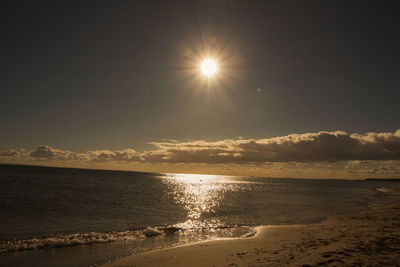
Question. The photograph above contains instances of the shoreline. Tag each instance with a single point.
(367, 238)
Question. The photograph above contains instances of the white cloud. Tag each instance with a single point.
(126, 155)
(381, 168)
(13, 153)
(307, 147)
(49, 153)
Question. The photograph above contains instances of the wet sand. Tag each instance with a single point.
(370, 238)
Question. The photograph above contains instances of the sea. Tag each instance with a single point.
(79, 217)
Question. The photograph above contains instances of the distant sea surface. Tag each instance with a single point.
(78, 217)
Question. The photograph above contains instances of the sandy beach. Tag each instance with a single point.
(370, 238)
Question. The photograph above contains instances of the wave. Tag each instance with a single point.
(395, 190)
(384, 189)
(68, 240)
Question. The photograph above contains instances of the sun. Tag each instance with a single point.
(209, 67)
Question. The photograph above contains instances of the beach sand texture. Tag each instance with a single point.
(370, 238)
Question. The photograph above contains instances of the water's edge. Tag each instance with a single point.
(386, 199)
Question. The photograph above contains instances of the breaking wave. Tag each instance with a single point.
(384, 189)
(76, 239)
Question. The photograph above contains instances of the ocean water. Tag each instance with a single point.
(77, 217)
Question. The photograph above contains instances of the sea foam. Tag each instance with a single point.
(60, 240)
(67, 240)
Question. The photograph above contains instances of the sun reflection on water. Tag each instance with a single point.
(198, 195)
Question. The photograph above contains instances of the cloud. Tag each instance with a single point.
(9, 153)
(383, 168)
(14, 153)
(307, 147)
(126, 155)
(49, 153)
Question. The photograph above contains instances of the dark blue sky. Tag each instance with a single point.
(83, 75)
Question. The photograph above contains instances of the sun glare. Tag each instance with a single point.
(208, 67)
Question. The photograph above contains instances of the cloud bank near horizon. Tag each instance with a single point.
(308, 147)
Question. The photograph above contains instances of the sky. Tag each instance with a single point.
(303, 89)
